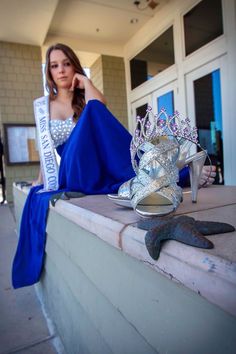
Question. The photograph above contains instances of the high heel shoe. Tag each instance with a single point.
(154, 191)
(123, 197)
(147, 166)
(149, 193)
(187, 137)
(195, 163)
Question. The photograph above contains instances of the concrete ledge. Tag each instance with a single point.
(100, 280)
(195, 268)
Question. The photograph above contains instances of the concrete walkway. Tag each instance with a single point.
(23, 328)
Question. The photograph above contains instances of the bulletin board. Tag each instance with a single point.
(20, 144)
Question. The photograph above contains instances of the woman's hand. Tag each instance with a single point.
(208, 176)
(36, 182)
(91, 92)
(79, 81)
(39, 180)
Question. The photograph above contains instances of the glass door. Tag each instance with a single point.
(139, 107)
(165, 98)
(205, 108)
(162, 98)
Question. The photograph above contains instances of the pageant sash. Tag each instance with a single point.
(49, 166)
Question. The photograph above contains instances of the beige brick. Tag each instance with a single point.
(7, 68)
(2, 93)
(3, 111)
(20, 76)
(13, 101)
(12, 93)
(15, 62)
(18, 93)
(22, 109)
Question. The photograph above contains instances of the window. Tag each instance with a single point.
(202, 24)
(141, 110)
(155, 58)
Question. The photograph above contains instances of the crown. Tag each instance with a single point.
(162, 125)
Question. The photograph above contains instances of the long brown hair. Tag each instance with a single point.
(78, 100)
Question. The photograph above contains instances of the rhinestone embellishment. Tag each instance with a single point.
(162, 125)
(60, 130)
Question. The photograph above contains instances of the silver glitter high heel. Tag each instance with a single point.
(195, 163)
(123, 197)
(154, 191)
(146, 188)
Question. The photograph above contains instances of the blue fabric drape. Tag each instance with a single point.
(94, 160)
(28, 260)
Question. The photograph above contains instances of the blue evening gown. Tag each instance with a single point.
(94, 160)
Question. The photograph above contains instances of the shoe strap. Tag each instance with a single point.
(163, 153)
(143, 185)
(148, 152)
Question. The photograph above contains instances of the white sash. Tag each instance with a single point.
(49, 166)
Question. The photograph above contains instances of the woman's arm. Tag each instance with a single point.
(91, 92)
(39, 180)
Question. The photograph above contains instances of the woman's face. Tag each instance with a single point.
(61, 69)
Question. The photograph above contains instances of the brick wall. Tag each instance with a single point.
(108, 75)
(96, 74)
(20, 84)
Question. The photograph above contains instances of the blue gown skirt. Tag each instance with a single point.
(94, 160)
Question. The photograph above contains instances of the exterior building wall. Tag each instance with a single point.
(96, 74)
(20, 84)
(114, 87)
(108, 75)
(217, 54)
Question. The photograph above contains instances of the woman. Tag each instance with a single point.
(73, 98)
(93, 160)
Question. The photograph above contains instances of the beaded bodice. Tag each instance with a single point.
(60, 130)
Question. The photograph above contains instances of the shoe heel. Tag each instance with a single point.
(195, 170)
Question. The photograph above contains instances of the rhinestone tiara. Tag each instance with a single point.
(161, 125)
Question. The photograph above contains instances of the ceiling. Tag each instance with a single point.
(91, 27)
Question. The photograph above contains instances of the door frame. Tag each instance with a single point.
(219, 63)
(144, 100)
(151, 100)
